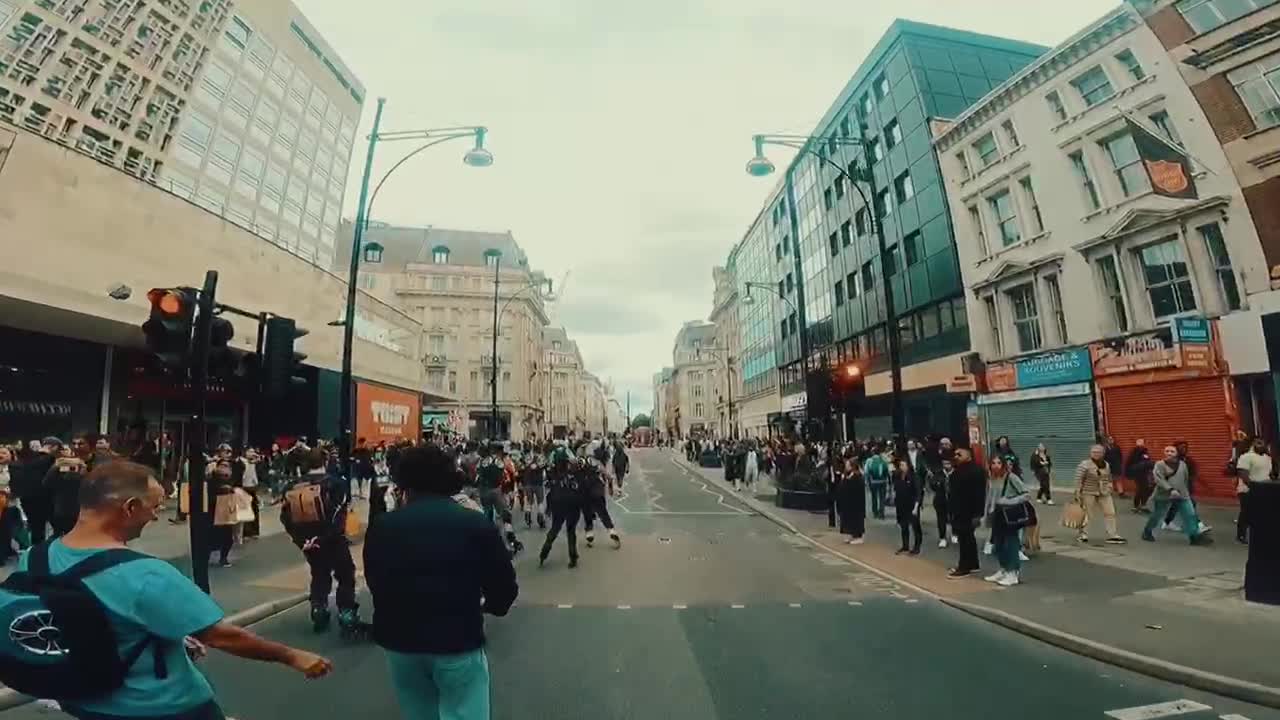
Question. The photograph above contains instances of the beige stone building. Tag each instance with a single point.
(727, 352)
(241, 108)
(444, 279)
(694, 380)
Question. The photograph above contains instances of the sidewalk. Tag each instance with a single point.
(1164, 601)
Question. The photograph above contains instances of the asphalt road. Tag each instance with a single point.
(709, 612)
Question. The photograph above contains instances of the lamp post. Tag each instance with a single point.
(494, 255)
(760, 166)
(477, 156)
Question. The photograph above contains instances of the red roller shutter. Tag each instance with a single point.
(1196, 411)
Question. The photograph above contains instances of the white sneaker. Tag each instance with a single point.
(954, 539)
(997, 577)
(1050, 502)
(1023, 556)
(857, 541)
(1039, 501)
(1009, 580)
(1205, 528)
(988, 548)
(942, 543)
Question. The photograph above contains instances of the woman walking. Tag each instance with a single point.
(1012, 512)
(851, 499)
(1093, 490)
(908, 494)
(1042, 467)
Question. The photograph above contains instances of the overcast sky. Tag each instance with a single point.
(620, 131)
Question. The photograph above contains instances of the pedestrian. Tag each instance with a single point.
(434, 569)
(10, 513)
(876, 472)
(1094, 486)
(62, 483)
(314, 515)
(908, 496)
(1173, 492)
(1115, 462)
(939, 483)
(147, 604)
(564, 501)
(1011, 513)
(533, 482)
(362, 467)
(491, 474)
(1042, 467)
(222, 489)
(1170, 520)
(851, 498)
(751, 466)
(621, 462)
(967, 502)
(28, 483)
(1137, 467)
(1254, 466)
(1004, 451)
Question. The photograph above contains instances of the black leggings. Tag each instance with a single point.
(942, 512)
(909, 522)
(597, 507)
(223, 538)
(565, 516)
(1046, 492)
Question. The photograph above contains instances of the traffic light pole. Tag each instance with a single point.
(201, 522)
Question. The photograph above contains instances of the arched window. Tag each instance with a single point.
(440, 255)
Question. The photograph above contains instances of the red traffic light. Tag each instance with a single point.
(852, 371)
(168, 302)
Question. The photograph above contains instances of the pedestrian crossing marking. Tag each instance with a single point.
(1158, 710)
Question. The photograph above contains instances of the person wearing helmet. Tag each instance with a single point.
(490, 475)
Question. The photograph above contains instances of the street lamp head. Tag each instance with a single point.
(373, 252)
(759, 166)
(478, 156)
(748, 299)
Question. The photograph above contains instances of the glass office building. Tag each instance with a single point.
(826, 251)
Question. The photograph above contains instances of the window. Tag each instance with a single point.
(844, 126)
(1006, 218)
(252, 166)
(864, 106)
(777, 251)
(1205, 15)
(1131, 64)
(1093, 86)
(784, 329)
(868, 277)
(1217, 248)
(828, 199)
(962, 158)
(238, 32)
(792, 322)
(846, 233)
(435, 344)
(1029, 197)
(839, 187)
(1011, 133)
(790, 283)
(975, 219)
(1056, 107)
(877, 150)
(903, 188)
(881, 87)
(1167, 278)
(453, 381)
(884, 204)
(834, 241)
(272, 188)
(1055, 304)
(851, 284)
(439, 282)
(890, 261)
(1085, 179)
(911, 248)
(697, 410)
(440, 255)
(782, 288)
(1165, 127)
(993, 324)
(988, 151)
(839, 293)
(215, 81)
(1127, 165)
(224, 153)
(860, 221)
(786, 244)
(1258, 85)
(490, 260)
(1026, 317)
(892, 134)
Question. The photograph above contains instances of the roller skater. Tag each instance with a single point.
(533, 494)
(564, 501)
(490, 476)
(591, 471)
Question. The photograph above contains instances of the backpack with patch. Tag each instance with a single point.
(305, 504)
(877, 469)
(58, 642)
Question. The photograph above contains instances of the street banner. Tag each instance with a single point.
(1168, 168)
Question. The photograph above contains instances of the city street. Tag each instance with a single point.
(711, 611)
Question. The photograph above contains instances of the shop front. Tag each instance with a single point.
(1171, 386)
(385, 414)
(1042, 399)
(49, 386)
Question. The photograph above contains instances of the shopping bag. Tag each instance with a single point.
(353, 524)
(224, 510)
(1031, 539)
(244, 506)
(1074, 516)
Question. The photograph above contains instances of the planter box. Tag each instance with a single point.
(800, 500)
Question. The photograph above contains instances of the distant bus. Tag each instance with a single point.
(642, 437)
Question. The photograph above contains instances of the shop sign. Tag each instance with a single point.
(33, 407)
(795, 401)
(1039, 393)
(967, 383)
(1001, 377)
(1192, 331)
(1056, 368)
(384, 414)
(1147, 351)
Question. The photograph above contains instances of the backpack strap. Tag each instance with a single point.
(98, 562)
(38, 560)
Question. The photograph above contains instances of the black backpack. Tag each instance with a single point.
(57, 640)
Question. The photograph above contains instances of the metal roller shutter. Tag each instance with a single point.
(1161, 413)
(1064, 424)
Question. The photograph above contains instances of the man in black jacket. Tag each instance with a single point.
(28, 484)
(968, 503)
(319, 531)
(434, 568)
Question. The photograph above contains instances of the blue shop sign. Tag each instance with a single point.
(1192, 330)
(1057, 368)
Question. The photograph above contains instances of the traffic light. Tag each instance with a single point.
(222, 361)
(280, 362)
(168, 330)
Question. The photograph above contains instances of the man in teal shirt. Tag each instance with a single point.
(148, 597)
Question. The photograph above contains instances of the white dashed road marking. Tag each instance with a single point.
(624, 607)
(736, 606)
(1159, 710)
(795, 605)
(564, 607)
(1233, 716)
(911, 601)
(679, 607)
(854, 603)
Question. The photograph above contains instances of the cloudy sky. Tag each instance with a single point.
(620, 130)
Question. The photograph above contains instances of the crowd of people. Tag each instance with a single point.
(968, 496)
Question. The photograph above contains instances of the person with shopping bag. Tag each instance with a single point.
(1011, 512)
(225, 511)
(1094, 487)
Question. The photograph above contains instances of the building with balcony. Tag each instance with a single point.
(1088, 289)
(240, 108)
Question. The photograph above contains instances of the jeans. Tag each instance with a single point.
(1008, 545)
(441, 687)
(878, 491)
(1182, 506)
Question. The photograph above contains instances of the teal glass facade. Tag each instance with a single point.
(915, 73)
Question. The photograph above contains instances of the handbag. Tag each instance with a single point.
(224, 510)
(1017, 516)
(352, 525)
(1074, 515)
(244, 506)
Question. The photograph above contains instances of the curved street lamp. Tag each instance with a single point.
(372, 252)
(495, 255)
(760, 166)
